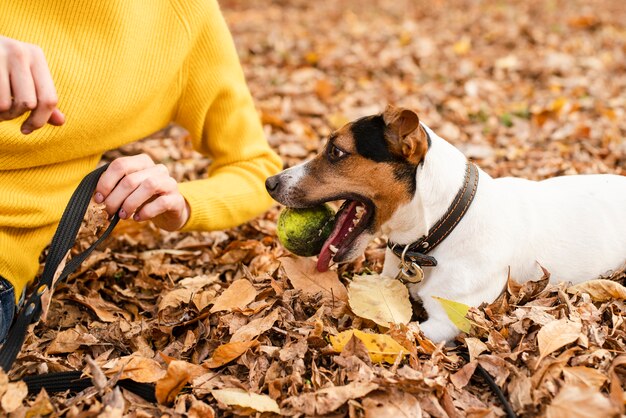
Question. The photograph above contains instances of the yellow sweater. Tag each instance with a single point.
(123, 70)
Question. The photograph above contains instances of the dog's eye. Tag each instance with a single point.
(335, 153)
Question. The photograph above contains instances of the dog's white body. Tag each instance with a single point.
(573, 226)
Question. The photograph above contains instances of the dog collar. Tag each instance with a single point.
(414, 256)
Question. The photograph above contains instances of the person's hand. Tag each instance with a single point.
(135, 186)
(26, 86)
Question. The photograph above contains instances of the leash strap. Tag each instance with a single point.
(62, 242)
(417, 251)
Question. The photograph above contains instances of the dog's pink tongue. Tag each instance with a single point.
(342, 223)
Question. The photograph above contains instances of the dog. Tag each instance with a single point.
(400, 178)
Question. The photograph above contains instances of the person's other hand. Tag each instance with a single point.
(26, 86)
(135, 186)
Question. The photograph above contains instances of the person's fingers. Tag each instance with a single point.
(57, 118)
(46, 93)
(22, 85)
(157, 183)
(5, 84)
(172, 203)
(119, 168)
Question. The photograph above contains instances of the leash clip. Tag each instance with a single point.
(410, 271)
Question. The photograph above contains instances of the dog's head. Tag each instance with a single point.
(371, 164)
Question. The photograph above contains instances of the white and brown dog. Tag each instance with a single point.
(401, 179)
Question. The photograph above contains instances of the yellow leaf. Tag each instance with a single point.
(557, 334)
(226, 353)
(456, 311)
(239, 397)
(380, 347)
(462, 46)
(380, 299)
(600, 290)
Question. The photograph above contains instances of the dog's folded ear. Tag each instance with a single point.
(403, 133)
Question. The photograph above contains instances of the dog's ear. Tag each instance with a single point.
(404, 134)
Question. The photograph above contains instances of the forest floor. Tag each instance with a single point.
(532, 89)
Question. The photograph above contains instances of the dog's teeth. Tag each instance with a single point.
(351, 229)
(333, 249)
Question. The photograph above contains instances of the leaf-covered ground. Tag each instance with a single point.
(226, 327)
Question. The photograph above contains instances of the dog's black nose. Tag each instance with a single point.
(272, 183)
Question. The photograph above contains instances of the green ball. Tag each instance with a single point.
(304, 231)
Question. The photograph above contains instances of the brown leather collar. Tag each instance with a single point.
(417, 250)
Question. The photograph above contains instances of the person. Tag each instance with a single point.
(80, 78)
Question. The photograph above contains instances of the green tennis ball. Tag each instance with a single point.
(304, 231)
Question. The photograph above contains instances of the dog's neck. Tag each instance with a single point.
(438, 180)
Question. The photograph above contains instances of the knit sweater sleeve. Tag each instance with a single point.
(217, 109)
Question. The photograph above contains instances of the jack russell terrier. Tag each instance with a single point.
(453, 230)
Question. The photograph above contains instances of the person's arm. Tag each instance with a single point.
(217, 109)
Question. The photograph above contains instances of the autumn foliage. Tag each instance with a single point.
(227, 323)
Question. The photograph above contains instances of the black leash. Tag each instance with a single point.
(508, 409)
(63, 241)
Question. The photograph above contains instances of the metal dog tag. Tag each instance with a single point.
(410, 272)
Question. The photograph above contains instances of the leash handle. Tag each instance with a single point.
(62, 241)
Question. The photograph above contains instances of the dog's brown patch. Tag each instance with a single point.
(382, 154)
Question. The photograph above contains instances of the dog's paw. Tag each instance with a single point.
(438, 331)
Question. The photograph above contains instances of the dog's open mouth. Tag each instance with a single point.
(351, 220)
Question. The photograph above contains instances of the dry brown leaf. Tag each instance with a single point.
(475, 347)
(557, 334)
(175, 298)
(461, 378)
(600, 290)
(237, 296)
(255, 327)
(41, 407)
(239, 397)
(178, 374)
(200, 409)
(392, 404)
(13, 396)
(226, 353)
(303, 275)
(203, 299)
(381, 299)
(137, 368)
(581, 375)
(70, 340)
(329, 399)
(575, 401)
(106, 311)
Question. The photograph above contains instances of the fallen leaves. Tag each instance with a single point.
(380, 347)
(14, 394)
(457, 312)
(303, 275)
(178, 374)
(237, 296)
(260, 403)
(529, 89)
(574, 401)
(381, 299)
(600, 290)
(226, 353)
(557, 334)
